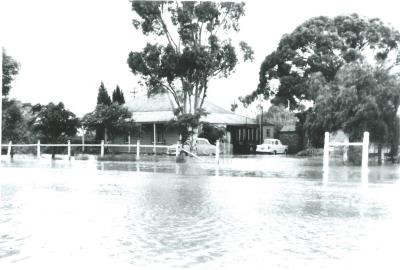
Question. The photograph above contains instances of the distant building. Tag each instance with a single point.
(153, 113)
(268, 130)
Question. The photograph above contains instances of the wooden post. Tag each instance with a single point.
(129, 143)
(102, 148)
(137, 149)
(83, 140)
(154, 138)
(9, 149)
(38, 149)
(365, 150)
(326, 152)
(177, 149)
(217, 152)
(69, 149)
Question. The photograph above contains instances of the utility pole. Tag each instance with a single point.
(1, 98)
(261, 119)
(134, 92)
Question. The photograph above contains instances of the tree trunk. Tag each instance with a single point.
(194, 136)
(53, 152)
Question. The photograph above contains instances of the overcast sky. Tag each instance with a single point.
(66, 48)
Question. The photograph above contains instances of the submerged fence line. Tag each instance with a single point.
(178, 148)
(364, 155)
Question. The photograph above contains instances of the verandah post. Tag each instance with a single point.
(129, 143)
(154, 138)
(102, 148)
(177, 149)
(137, 149)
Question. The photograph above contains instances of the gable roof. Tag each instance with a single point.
(160, 108)
(288, 128)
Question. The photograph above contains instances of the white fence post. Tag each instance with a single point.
(326, 152)
(69, 149)
(217, 152)
(129, 143)
(38, 149)
(102, 148)
(83, 140)
(9, 149)
(177, 149)
(137, 149)
(365, 151)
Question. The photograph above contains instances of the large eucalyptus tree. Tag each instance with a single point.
(191, 47)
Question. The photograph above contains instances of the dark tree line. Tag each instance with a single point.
(324, 61)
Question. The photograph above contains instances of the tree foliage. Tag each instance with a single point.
(186, 125)
(118, 96)
(16, 117)
(279, 116)
(114, 118)
(211, 133)
(102, 96)
(193, 51)
(321, 45)
(360, 98)
(53, 123)
(10, 69)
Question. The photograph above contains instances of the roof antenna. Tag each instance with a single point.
(134, 92)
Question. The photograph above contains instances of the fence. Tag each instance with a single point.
(364, 156)
(168, 148)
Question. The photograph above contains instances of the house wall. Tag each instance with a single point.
(244, 138)
(268, 132)
(165, 136)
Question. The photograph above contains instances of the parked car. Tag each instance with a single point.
(171, 150)
(202, 147)
(272, 146)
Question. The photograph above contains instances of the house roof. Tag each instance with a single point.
(160, 108)
(288, 128)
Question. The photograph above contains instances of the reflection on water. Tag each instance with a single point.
(270, 212)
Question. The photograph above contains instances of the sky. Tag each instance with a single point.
(66, 48)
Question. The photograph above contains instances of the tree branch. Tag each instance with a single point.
(167, 33)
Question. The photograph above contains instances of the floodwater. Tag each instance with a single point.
(249, 212)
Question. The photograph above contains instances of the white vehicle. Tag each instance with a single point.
(272, 146)
(201, 147)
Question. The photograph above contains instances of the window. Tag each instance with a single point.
(268, 132)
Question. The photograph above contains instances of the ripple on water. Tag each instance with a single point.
(276, 216)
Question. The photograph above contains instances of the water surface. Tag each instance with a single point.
(251, 211)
